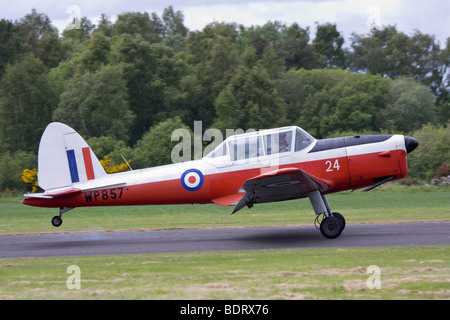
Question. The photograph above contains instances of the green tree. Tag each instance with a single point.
(433, 150)
(33, 27)
(214, 57)
(174, 22)
(398, 61)
(324, 101)
(82, 32)
(173, 29)
(26, 104)
(110, 147)
(96, 104)
(410, 105)
(328, 44)
(11, 45)
(66, 70)
(370, 51)
(266, 41)
(139, 62)
(12, 164)
(184, 99)
(393, 54)
(154, 75)
(443, 96)
(105, 25)
(37, 31)
(155, 147)
(250, 100)
(96, 54)
(296, 49)
(425, 60)
(270, 35)
(51, 50)
(137, 23)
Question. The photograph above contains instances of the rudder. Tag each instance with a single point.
(65, 159)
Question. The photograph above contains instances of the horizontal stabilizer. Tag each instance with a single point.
(52, 195)
(38, 196)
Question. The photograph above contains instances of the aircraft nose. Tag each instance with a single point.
(410, 144)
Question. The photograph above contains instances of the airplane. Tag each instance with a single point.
(245, 169)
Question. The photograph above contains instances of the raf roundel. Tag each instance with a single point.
(192, 179)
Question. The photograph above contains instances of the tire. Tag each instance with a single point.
(341, 218)
(56, 221)
(331, 227)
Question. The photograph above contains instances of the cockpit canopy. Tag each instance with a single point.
(262, 143)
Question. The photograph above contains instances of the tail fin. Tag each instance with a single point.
(65, 159)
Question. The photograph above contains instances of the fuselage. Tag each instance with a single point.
(345, 163)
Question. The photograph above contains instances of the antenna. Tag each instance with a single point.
(126, 162)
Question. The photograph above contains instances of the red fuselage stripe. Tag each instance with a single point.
(88, 163)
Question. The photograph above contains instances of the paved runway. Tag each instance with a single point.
(139, 242)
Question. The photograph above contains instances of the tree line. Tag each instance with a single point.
(125, 86)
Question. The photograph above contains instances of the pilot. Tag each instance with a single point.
(283, 142)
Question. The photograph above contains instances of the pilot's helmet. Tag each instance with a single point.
(283, 139)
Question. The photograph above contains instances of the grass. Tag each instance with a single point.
(406, 272)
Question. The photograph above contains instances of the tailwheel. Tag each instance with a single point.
(331, 227)
(57, 221)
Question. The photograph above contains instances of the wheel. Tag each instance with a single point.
(341, 218)
(56, 221)
(331, 227)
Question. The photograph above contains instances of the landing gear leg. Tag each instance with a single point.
(57, 220)
(332, 223)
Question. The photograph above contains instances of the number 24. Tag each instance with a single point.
(332, 166)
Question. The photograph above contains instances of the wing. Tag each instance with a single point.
(279, 185)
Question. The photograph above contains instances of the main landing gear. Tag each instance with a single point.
(330, 224)
(57, 220)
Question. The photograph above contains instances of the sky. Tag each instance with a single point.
(430, 17)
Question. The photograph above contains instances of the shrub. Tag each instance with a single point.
(111, 167)
(443, 170)
(433, 150)
(29, 176)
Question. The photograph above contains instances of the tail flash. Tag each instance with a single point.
(65, 159)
